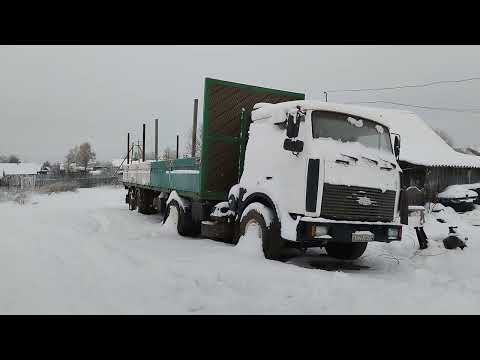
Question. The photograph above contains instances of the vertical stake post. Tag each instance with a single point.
(156, 139)
(128, 148)
(177, 146)
(194, 130)
(143, 149)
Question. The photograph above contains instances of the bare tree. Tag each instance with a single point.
(71, 158)
(85, 154)
(13, 159)
(446, 137)
(169, 154)
(187, 151)
(55, 168)
(46, 165)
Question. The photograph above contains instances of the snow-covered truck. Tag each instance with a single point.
(303, 173)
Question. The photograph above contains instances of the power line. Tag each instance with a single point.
(408, 85)
(473, 111)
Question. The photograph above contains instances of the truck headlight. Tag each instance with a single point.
(318, 231)
(394, 233)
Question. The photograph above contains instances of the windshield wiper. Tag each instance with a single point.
(374, 161)
(351, 157)
(391, 163)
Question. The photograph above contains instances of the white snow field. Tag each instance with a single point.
(86, 253)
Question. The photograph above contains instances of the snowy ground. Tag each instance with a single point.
(86, 253)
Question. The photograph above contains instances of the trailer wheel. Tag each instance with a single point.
(132, 203)
(185, 226)
(348, 251)
(272, 243)
(145, 201)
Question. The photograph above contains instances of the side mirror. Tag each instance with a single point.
(295, 146)
(396, 146)
(292, 127)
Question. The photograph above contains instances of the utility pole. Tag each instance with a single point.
(326, 96)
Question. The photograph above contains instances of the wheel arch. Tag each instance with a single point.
(260, 198)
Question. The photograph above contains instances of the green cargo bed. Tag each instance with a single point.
(181, 175)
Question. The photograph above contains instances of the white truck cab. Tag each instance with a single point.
(329, 171)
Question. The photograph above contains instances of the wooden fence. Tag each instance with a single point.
(85, 181)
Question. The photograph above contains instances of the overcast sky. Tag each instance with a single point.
(54, 97)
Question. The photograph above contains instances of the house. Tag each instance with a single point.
(22, 175)
(77, 168)
(427, 161)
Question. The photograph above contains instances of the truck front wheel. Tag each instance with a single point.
(348, 251)
(257, 215)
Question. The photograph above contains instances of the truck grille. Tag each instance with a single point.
(341, 202)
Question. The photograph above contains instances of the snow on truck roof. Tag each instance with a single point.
(420, 144)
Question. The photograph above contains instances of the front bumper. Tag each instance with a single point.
(341, 232)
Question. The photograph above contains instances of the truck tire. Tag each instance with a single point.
(185, 226)
(346, 251)
(272, 243)
(132, 202)
(145, 201)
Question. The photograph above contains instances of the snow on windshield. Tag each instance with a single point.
(379, 129)
(346, 128)
(355, 122)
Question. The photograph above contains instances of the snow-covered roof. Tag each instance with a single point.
(19, 169)
(420, 144)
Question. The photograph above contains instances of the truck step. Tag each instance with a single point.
(217, 230)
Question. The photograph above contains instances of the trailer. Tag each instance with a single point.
(260, 165)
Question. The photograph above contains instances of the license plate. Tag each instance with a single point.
(362, 237)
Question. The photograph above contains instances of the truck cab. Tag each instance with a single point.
(328, 170)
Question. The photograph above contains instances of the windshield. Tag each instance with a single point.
(349, 128)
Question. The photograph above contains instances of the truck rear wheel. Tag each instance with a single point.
(346, 251)
(145, 201)
(132, 202)
(185, 226)
(272, 243)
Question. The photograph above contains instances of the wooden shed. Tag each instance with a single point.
(22, 175)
